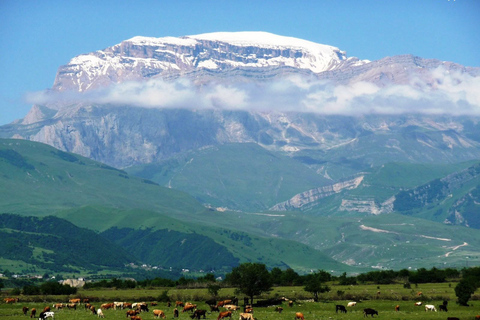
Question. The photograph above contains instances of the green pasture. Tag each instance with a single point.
(382, 298)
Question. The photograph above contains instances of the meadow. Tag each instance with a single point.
(382, 298)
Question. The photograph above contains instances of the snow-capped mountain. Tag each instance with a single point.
(143, 58)
(401, 108)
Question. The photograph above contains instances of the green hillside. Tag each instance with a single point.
(240, 176)
(36, 179)
(53, 244)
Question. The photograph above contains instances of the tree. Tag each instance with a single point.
(464, 290)
(213, 290)
(314, 283)
(251, 279)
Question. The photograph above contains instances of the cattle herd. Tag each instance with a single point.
(225, 309)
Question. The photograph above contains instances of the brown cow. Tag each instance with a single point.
(58, 306)
(131, 313)
(72, 306)
(198, 313)
(74, 300)
(46, 309)
(278, 309)
(107, 306)
(159, 314)
(224, 314)
(33, 313)
(94, 311)
(10, 300)
(179, 304)
(397, 308)
(135, 318)
(25, 310)
(153, 304)
(175, 313)
(189, 307)
(299, 315)
(86, 300)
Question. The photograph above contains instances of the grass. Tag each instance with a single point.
(366, 295)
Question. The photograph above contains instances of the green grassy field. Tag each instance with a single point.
(382, 298)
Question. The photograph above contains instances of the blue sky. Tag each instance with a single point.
(39, 36)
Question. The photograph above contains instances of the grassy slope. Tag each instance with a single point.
(238, 176)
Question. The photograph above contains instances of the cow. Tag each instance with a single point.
(351, 304)
(74, 301)
(397, 308)
(369, 311)
(86, 300)
(224, 314)
(135, 318)
(33, 313)
(214, 308)
(189, 307)
(100, 313)
(290, 303)
(299, 315)
(93, 309)
(142, 307)
(430, 307)
(127, 305)
(278, 309)
(131, 313)
(159, 314)
(198, 313)
(10, 300)
(169, 304)
(341, 308)
(230, 307)
(106, 306)
(175, 313)
(246, 316)
(87, 306)
(117, 304)
(46, 309)
(179, 304)
(418, 303)
(45, 315)
(58, 306)
(442, 307)
(72, 306)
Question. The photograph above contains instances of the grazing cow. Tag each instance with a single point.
(179, 304)
(224, 314)
(419, 293)
(106, 306)
(246, 316)
(46, 309)
(93, 309)
(74, 300)
(10, 300)
(430, 307)
(214, 308)
(369, 311)
(351, 304)
(86, 300)
(418, 303)
(45, 315)
(299, 315)
(189, 307)
(100, 313)
(198, 313)
(442, 307)
(175, 313)
(278, 309)
(127, 305)
(72, 306)
(159, 314)
(454, 318)
(135, 318)
(131, 313)
(341, 308)
(58, 306)
(142, 307)
(153, 304)
(87, 306)
(25, 310)
(397, 308)
(230, 307)
(290, 303)
(33, 313)
(119, 305)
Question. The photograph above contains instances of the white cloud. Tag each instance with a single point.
(446, 92)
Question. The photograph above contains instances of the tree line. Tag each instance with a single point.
(253, 279)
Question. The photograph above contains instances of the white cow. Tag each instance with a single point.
(351, 304)
(45, 315)
(100, 313)
(430, 307)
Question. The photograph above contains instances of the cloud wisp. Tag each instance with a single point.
(444, 93)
